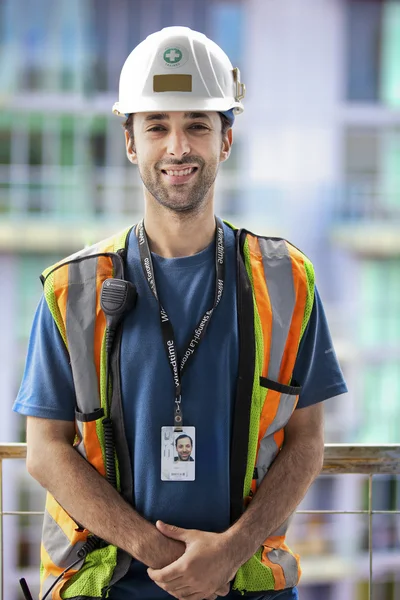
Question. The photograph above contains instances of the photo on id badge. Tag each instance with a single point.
(178, 454)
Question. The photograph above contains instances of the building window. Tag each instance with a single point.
(379, 335)
(373, 51)
(371, 173)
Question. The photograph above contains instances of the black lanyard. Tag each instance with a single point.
(166, 326)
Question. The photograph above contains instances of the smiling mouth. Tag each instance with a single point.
(179, 172)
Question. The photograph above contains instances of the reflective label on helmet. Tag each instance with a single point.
(174, 56)
(176, 82)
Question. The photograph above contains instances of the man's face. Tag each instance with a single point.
(178, 155)
(184, 448)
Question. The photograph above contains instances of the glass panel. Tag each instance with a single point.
(98, 142)
(5, 146)
(390, 167)
(390, 59)
(361, 167)
(361, 155)
(380, 416)
(227, 28)
(363, 49)
(67, 140)
(35, 147)
(370, 292)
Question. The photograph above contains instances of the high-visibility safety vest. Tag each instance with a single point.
(275, 293)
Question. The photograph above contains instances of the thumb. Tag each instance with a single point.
(172, 531)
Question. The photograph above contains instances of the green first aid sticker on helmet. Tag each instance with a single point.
(172, 56)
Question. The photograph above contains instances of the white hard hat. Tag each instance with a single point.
(178, 69)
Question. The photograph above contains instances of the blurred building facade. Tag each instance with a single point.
(316, 159)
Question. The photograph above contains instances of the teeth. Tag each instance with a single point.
(180, 173)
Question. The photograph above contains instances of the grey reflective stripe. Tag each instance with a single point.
(268, 448)
(57, 545)
(90, 250)
(279, 278)
(47, 585)
(285, 409)
(81, 446)
(288, 563)
(81, 315)
(283, 528)
(266, 454)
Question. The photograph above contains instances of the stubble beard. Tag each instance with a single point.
(180, 198)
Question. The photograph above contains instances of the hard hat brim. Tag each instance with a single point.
(177, 103)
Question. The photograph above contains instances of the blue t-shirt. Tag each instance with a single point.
(186, 288)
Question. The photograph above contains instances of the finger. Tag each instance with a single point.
(224, 590)
(165, 575)
(176, 589)
(181, 592)
(172, 531)
(195, 596)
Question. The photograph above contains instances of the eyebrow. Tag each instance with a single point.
(196, 115)
(157, 117)
(165, 116)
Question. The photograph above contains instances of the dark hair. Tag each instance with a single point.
(128, 124)
(225, 124)
(183, 435)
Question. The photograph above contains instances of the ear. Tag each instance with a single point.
(226, 145)
(130, 149)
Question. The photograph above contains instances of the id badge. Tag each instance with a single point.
(178, 450)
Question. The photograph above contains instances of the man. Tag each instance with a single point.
(184, 446)
(110, 368)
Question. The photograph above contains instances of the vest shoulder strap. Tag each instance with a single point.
(110, 245)
(276, 257)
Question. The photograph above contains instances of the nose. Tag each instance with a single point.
(178, 144)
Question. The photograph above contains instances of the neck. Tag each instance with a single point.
(174, 235)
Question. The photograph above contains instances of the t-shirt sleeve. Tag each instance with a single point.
(317, 368)
(47, 388)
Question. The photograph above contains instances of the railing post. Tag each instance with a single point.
(370, 533)
(1, 532)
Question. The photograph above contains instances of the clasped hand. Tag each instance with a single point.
(203, 571)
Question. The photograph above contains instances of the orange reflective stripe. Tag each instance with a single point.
(274, 542)
(67, 524)
(55, 594)
(91, 439)
(50, 569)
(277, 570)
(293, 339)
(279, 436)
(268, 413)
(262, 298)
(104, 270)
(92, 447)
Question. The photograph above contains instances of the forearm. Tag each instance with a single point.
(280, 492)
(95, 504)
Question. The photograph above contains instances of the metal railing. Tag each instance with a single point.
(339, 459)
